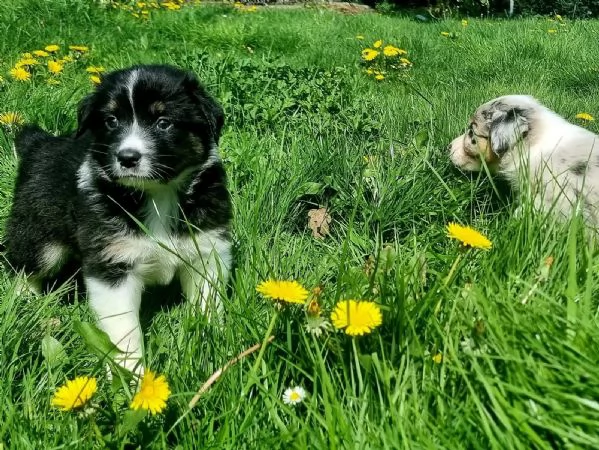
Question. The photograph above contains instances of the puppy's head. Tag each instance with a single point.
(495, 129)
(149, 124)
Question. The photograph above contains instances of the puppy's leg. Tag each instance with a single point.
(117, 307)
(203, 279)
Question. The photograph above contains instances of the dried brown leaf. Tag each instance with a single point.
(318, 221)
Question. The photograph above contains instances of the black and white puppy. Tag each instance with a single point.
(137, 197)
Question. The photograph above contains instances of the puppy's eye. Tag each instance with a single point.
(111, 122)
(163, 124)
(470, 132)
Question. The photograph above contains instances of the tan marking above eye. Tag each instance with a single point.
(157, 107)
(112, 105)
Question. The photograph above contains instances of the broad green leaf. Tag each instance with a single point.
(421, 138)
(96, 340)
(132, 418)
(53, 351)
(310, 188)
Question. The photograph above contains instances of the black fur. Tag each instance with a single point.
(508, 126)
(55, 204)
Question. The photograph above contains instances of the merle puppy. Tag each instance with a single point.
(540, 153)
(137, 197)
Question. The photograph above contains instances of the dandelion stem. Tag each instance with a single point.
(356, 356)
(454, 266)
(447, 280)
(254, 372)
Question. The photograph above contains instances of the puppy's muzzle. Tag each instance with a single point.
(128, 158)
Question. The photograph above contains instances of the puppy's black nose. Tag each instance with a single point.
(128, 157)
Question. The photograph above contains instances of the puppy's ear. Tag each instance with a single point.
(508, 126)
(84, 112)
(210, 108)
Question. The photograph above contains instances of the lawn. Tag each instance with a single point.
(477, 349)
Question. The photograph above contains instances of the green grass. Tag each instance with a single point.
(301, 115)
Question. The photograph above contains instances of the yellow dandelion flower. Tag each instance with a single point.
(464, 23)
(95, 79)
(360, 37)
(405, 61)
(26, 62)
(378, 43)
(41, 53)
(357, 317)
(20, 74)
(369, 54)
(171, 6)
(379, 77)
(369, 71)
(79, 48)
(153, 393)
(66, 59)
(27, 55)
(558, 17)
(551, 31)
(468, 236)
(11, 118)
(95, 69)
(52, 82)
(438, 358)
(585, 116)
(75, 393)
(444, 33)
(52, 48)
(390, 51)
(286, 291)
(54, 67)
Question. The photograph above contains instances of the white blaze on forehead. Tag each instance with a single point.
(131, 82)
(134, 138)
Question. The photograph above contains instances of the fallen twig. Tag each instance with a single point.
(216, 375)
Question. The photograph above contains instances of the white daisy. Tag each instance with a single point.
(293, 396)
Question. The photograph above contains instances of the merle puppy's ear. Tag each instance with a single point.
(210, 108)
(508, 126)
(84, 112)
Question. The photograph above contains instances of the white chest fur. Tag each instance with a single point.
(157, 255)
